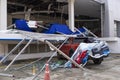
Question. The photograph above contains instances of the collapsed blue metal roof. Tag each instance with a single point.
(22, 25)
(53, 28)
(58, 28)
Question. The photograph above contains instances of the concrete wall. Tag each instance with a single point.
(113, 43)
(114, 46)
(114, 6)
(112, 13)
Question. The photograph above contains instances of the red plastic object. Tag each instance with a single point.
(80, 57)
(66, 48)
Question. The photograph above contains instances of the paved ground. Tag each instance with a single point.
(108, 70)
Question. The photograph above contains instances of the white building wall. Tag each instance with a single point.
(113, 43)
(114, 46)
(113, 13)
(114, 7)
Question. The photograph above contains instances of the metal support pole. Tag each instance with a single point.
(6, 75)
(28, 64)
(90, 32)
(12, 50)
(51, 45)
(19, 54)
(42, 27)
(60, 52)
(11, 26)
(80, 32)
(50, 59)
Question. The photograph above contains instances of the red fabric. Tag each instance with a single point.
(80, 57)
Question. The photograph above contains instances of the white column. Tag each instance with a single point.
(3, 14)
(71, 14)
(3, 24)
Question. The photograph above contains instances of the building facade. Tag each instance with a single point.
(105, 10)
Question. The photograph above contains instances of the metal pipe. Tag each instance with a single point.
(80, 32)
(29, 64)
(42, 27)
(51, 45)
(6, 75)
(90, 32)
(50, 59)
(18, 54)
(11, 26)
(60, 52)
(12, 50)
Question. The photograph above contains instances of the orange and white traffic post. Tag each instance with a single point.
(47, 72)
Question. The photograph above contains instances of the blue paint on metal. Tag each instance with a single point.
(22, 25)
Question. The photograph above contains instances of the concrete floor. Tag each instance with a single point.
(108, 70)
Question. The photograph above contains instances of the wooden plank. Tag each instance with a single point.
(60, 52)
